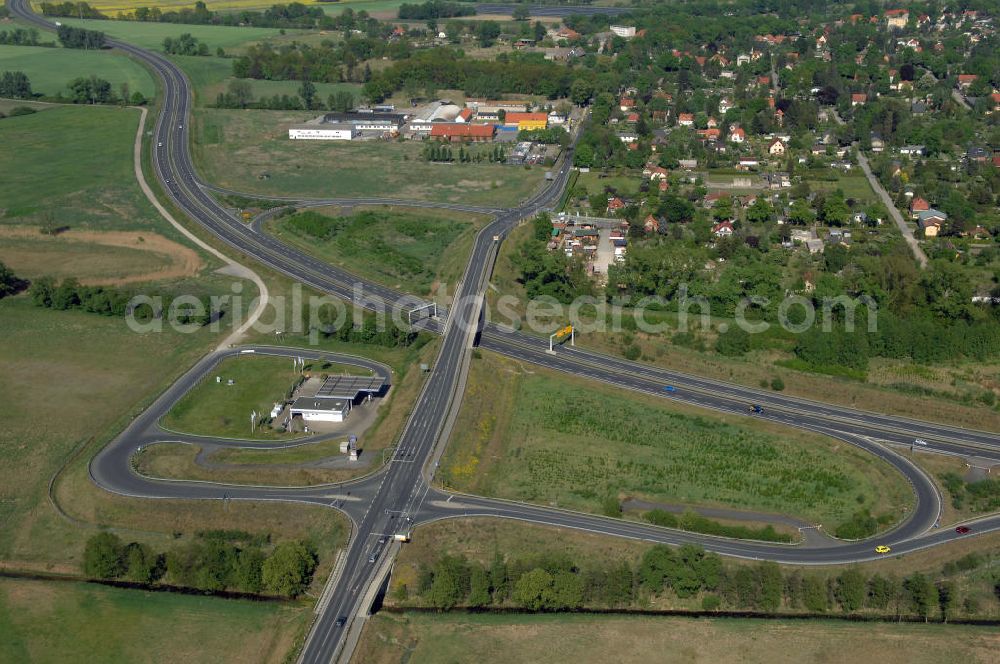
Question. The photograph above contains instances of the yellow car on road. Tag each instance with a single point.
(882, 548)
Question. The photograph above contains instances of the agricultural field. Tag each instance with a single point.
(412, 250)
(151, 35)
(539, 437)
(49, 621)
(251, 152)
(71, 167)
(51, 69)
(433, 638)
(211, 75)
(218, 409)
(96, 258)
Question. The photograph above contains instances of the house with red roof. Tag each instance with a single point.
(723, 229)
(858, 98)
(737, 135)
(896, 18)
(461, 131)
(965, 80)
(685, 119)
(918, 205)
(615, 204)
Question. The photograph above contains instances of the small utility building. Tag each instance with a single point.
(321, 409)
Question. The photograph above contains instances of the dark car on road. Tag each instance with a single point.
(755, 409)
(962, 530)
(340, 621)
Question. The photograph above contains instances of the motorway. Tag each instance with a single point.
(400, 494)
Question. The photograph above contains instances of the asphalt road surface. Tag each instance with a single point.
(399, 495)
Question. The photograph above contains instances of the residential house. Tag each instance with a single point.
(747, 164)
(965, 80)
(776, 148)
(651, 224)
(931, 222)
(912, 150)
(918, 205)
(685, 119)
(725, 105)
(858, 98)
(615, 204)
(896, 18)
(628, 137)
(737, 135)
(878, 145)
(626, 104)
(723, 229)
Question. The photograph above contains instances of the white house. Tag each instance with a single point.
(321, 409)
(776, 147)
(626, 31)
(323, 132)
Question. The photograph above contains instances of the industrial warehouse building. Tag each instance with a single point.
(321, 409)
(384, 122)
(459, 131)
(336, 131)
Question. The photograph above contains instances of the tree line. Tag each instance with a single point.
(239, 94)
(555, 582)
(15, 85)
(446, 68)
(70, 10)
(434, 9)
(214, 561)
(22, 37)
(69, 294)
(10, 283)
(443, 153)
(185, 45)
(71, 37)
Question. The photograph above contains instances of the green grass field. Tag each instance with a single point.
(211, 75)
(539, 437)
(581, 639)
(50, 69)
(219, 409)
(409, 250)
(47, 621)
(151, 35)
(251, 152)
(72, 166)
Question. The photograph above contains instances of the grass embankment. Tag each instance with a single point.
(550, 439)
(278, 467)
(944, 393)
(218, 409)
(50, 69)
(251, 152)
(413, 251)
(429, 639)
(47, 621)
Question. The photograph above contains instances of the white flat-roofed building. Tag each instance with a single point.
(626, 31)
(321, 409)
(324, 132)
